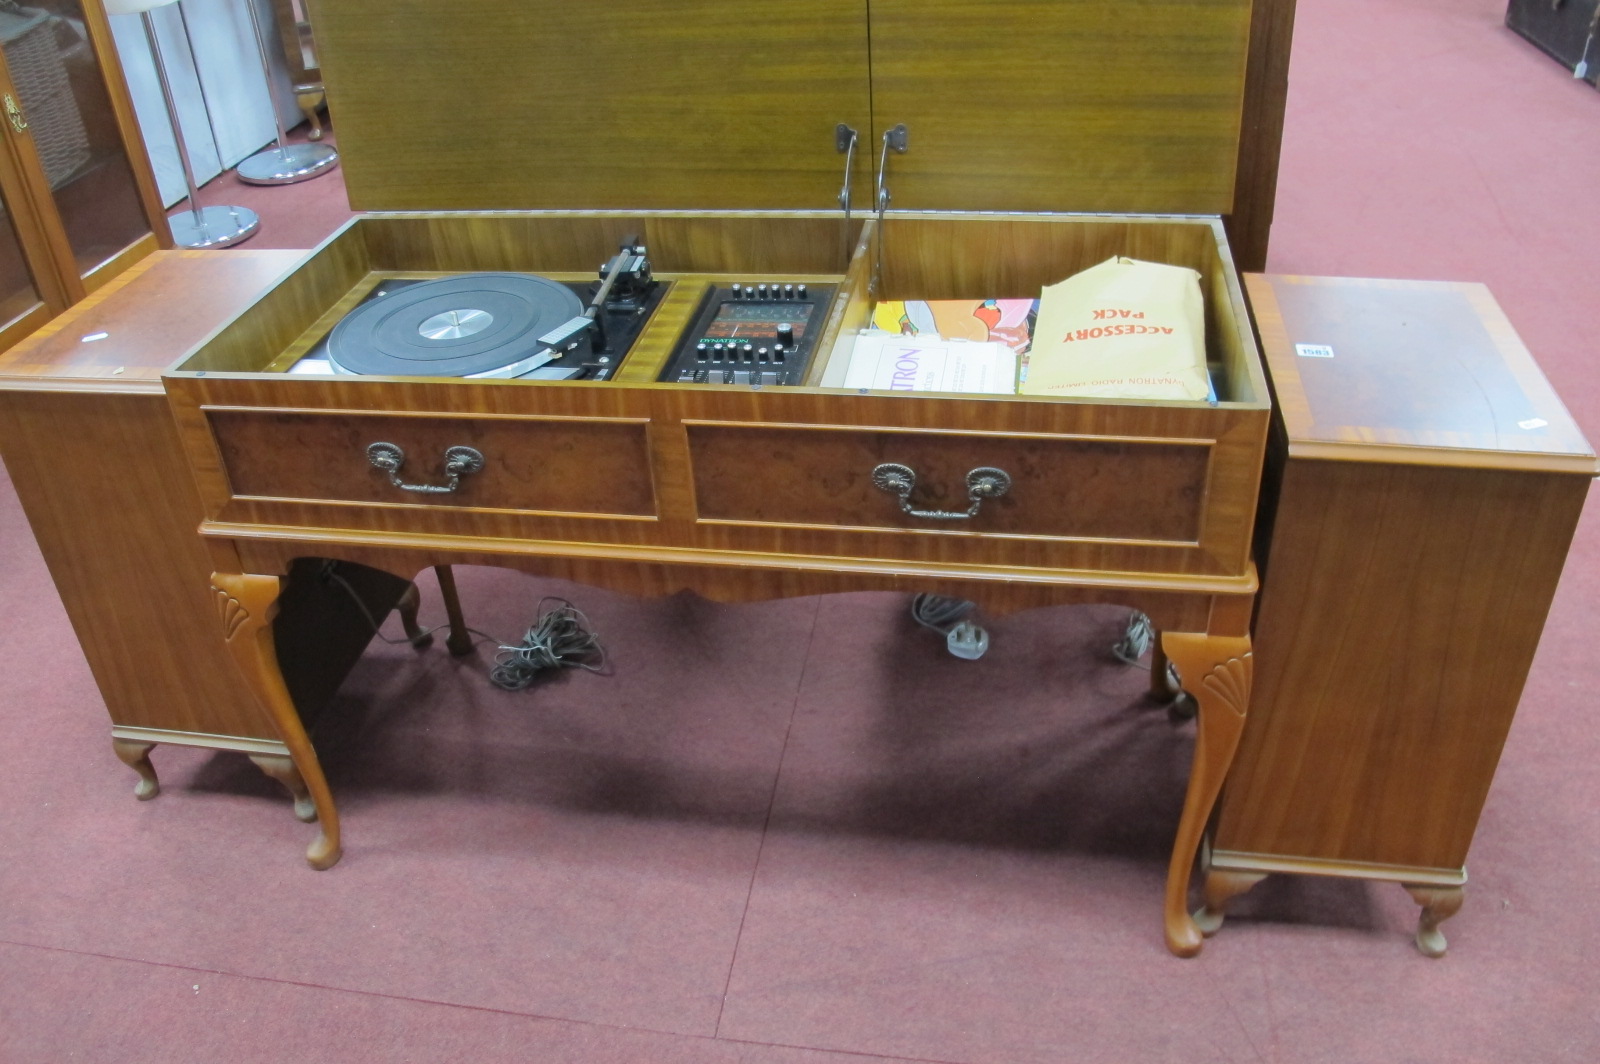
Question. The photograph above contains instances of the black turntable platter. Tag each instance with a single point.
(475, 325)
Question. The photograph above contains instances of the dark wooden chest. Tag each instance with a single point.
(1566, 30)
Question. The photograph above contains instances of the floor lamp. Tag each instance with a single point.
(197, 227)
(286, 163)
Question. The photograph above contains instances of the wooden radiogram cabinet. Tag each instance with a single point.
(942, 149)
(802, 143)
(893, 150)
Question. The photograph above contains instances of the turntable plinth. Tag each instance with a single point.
(651, 488)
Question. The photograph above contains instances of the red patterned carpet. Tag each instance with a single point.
(798, 832)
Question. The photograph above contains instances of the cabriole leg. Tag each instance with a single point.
(410, 602)
(1220, 888)
(136, 755)
(1162, 688)
(1217, 671)
(281, 768)
(1438, 905)
(309, 99)
(245, 605)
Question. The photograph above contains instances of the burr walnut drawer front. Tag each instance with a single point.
(1035, 485)
(584, 466)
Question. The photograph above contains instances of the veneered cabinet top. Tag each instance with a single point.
(1417, 372)
(134, 326)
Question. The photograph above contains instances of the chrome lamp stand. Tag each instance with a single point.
(286, 163)
(197, 227)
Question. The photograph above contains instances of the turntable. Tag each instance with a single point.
(488, 325)
(494, 325)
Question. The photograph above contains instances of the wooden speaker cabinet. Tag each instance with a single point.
(1423, 485)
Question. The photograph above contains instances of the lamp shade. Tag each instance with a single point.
(133, 7)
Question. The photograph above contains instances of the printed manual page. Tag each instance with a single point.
(888, 362)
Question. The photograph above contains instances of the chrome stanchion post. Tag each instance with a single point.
(286, 163)
(198, 227)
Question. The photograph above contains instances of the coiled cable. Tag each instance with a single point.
(558, 638)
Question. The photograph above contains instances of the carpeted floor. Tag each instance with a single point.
(799, 832)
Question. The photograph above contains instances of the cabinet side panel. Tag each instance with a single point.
(104, 485)
(1266, 95)
(1401, 611)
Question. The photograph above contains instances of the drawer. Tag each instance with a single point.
(1059, 486)
(580, 466)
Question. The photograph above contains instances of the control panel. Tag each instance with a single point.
(755, 333)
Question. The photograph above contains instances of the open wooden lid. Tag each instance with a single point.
(1027, 105)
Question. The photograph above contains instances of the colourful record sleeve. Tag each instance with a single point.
(1007, 321)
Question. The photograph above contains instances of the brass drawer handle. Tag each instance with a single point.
(19, 121)
(458, 462)
(985, 482)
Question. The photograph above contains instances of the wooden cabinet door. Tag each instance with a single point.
(500, 104)
(79, 204)
(1061, 105)
(23, 305)
(65, 137)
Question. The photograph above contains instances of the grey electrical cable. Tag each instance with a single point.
(1136, 640)
(939, 612)
(377, 626)
(559, 637)
(951, 618)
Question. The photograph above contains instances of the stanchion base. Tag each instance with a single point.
(288, 164)
(217, 227)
